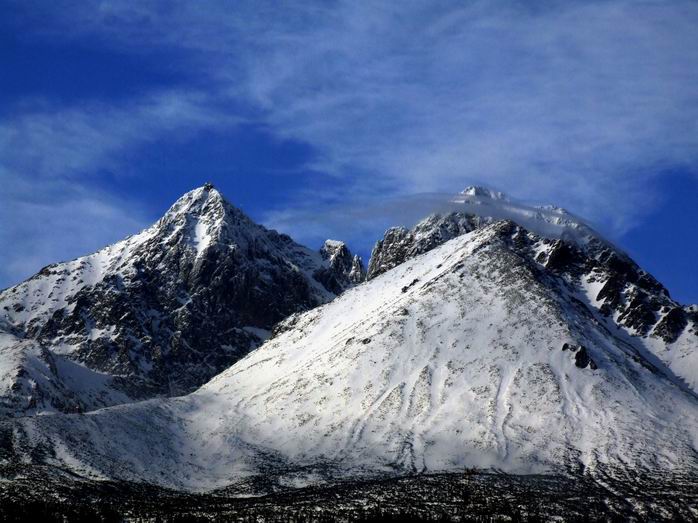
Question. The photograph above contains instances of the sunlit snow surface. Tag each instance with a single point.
(453, 359)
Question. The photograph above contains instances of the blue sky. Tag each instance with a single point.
(325, 119)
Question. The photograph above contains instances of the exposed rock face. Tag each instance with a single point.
(618, 287)
(400, 244)
(343, 270)
(163, 311)
(670, 327)
(357, 274)
(581, 356)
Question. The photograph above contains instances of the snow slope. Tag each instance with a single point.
(473, 354)
(35, 379)
(621, 294)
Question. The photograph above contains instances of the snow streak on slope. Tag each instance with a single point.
(470, 355)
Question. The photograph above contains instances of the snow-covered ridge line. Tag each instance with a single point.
(476, 207)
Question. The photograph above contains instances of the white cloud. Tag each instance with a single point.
(57, 221)
(579, 104)
(73, 141)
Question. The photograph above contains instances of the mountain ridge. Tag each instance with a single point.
(473, 354)
(609, 280)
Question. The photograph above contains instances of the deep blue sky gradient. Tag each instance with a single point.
(271, 165)
(71, 72)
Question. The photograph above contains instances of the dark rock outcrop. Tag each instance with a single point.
(400, 244)
(582, 359)
(342, 270)
(671, 325)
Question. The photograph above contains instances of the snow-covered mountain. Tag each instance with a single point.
(492, 350)
(159, 313)
(601, 275)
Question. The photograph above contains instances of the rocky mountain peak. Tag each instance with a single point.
(162, 311)
(205, 200)
(335, 251)
(342, 269)
(202, 217)
(400, 244)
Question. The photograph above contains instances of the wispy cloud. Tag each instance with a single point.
(49, 224)
(580, 104)
(50, 140)
(573, 102)
(50, 203)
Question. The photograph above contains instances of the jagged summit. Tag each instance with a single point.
(197, 201)
(549, 221)
(203, 219)
(204, 201)
(553, 208)
(158, 313)
(343, 269)
(475, 207)
(198, 218)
